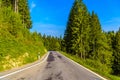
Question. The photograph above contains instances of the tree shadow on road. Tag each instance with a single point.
(50, 57)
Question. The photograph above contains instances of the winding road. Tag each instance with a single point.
(54, 67)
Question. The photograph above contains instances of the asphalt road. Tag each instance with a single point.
(55, 67)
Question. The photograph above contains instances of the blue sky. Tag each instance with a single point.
(50, 16)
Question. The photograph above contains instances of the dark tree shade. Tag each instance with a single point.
(116, 54)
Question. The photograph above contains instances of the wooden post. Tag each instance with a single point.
(38, 55)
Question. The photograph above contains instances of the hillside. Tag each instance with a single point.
(18, 46)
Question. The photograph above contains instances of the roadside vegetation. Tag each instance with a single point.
(92, 65)
(18, 46)
(86, 42)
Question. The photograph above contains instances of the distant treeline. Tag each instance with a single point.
(52, 43)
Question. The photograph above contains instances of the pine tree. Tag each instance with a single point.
(85, 29)
(25, 13)
(72, 36)
(111, 38)
(68, 36)
(95, 34)
(99, 47)
(116, 54)
(77, 33)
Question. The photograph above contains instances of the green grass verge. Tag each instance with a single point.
(88, 64)
(14, 53)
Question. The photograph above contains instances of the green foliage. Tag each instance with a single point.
(52, 43)
(25, 14)
(85, 39)
(7, 3)
(93, 65)
(76, 34)
(116, 54)
(22, 8)
(18, 45)
(95, 36)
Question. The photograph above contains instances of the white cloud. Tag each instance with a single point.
(33, 5)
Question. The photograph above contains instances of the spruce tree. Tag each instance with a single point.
(76, 35)
(72, 29)
(95, 34)
(25, 13)
(72, 36)
(85, 29)
(116, 54)
(99, 47)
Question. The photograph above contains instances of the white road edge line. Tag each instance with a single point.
(1, 77)
(85, 68)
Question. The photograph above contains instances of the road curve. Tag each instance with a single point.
(55, 67)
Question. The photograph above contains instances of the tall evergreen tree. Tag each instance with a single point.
(84, 36)
(68, 36)
(25, 13)
(95, 34)
(99, 47)
(116, 54)
(110, 36)
(76, 35)
(84, 31)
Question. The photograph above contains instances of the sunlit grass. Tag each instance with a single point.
(14, 54)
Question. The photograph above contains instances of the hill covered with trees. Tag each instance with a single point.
(18, 45)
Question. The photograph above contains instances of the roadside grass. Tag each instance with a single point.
(14, 53)
(92, 65)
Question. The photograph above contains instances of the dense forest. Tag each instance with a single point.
(85, 38)
(18, 45)
(52, 43)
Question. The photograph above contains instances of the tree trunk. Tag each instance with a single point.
(16, 6)
(81, 55)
